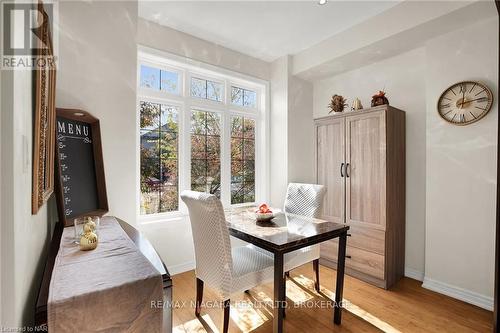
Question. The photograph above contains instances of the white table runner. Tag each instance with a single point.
(109, 289)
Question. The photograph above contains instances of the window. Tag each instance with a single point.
(242, 160)
(206, 89)
(243, 97)
(159, 167)
(158, 79)
(205, 152)
(194, 137)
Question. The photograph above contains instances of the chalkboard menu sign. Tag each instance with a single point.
(80, 183)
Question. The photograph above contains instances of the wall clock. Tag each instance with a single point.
(465, 102)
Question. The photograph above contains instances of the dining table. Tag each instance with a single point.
(285, 233)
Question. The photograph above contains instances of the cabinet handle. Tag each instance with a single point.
(342, 169)
(347, 256)
(349, 235)
(347, 167)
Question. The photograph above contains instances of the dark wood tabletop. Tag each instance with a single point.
(283, 234)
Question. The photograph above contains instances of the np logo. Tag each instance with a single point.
(27, 29)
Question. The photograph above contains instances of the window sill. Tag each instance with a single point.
(243, 205)
(165, 218)
(154, 219)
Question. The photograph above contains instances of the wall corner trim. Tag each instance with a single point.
(467, 296)
(414, 274)
(181, 268)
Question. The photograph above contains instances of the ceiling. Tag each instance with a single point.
(265, 30)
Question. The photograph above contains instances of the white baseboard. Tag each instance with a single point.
(414, 274)
(181, 268)
(467, 296)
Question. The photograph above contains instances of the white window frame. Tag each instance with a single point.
(190, 75)
(241, 107)
(160, 93)
(187, 68)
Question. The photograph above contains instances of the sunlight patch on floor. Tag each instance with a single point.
(265, 301)
(195, 326)
(247, 317)
(243, 314)
(366, 316)
(348, 306)
(305, 282)
(256, 310)
(297, 294)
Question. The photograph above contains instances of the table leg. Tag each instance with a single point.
(279, 293)
(339, 290)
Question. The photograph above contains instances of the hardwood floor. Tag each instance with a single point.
(407, 307)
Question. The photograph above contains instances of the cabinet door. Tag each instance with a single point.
(330, 154)
(366, 173)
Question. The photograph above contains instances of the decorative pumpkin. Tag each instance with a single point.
(89, 239)
(87, 228)
(379, 99)
(337, 104)
(91, 224)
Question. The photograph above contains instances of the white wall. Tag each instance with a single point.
(461, 167)
(278, 141)
(451, 170)
(97, 73)
(169, 40)
(292, 139)
(301, 138)
(23, 236)
(397, 30)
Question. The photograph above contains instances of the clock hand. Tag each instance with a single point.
(463, 96)
(472, 100)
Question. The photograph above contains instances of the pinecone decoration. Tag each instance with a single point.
(337, 104)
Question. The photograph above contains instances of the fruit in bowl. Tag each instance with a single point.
(264, 213)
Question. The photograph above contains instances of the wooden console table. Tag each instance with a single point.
(144, 247)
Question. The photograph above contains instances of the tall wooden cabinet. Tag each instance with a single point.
(360, 158)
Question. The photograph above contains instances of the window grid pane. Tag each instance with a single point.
(249, 98)
(237, 96)
(159, 158)
(198, 88)
(205, 152)
(156, 79)
(207, 89)
(150, 77)
(243, 97)
(242, 160)
(169, 81)
(214, 91)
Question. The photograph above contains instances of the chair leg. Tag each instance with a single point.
(199, 296)
(316, 270)
(284, 296)
(227, 308)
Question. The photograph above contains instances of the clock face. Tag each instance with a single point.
(465, 102)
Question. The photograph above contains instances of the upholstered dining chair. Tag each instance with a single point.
(227, 270)
(304, 200)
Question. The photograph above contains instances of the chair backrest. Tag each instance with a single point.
(212, 245)
(304, 199)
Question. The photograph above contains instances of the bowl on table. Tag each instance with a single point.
(259, 216)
